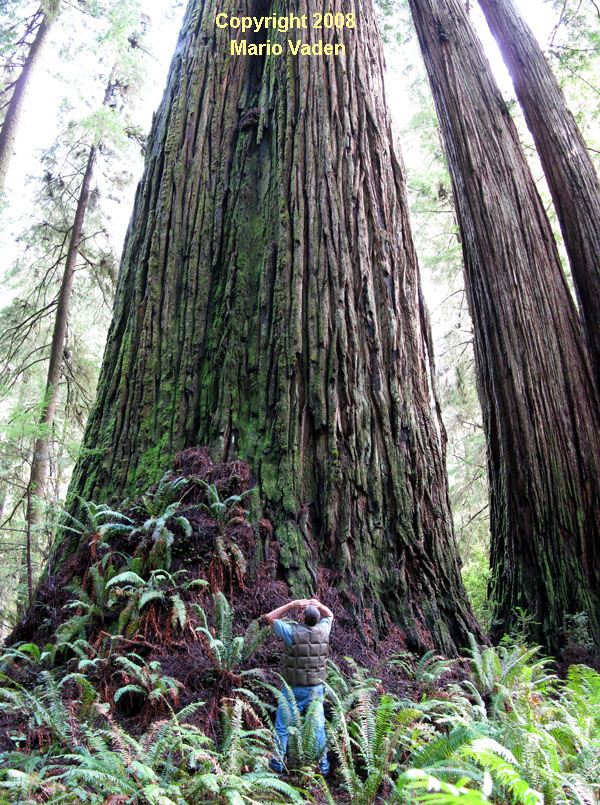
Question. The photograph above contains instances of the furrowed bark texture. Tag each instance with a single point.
(536, 385)
(571, 175)
(269, 305)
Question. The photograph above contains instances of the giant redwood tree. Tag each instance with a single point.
(268, 305)
(537, 389)
(568, 167)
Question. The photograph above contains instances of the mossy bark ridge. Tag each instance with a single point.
(269, 305)
(536, 384)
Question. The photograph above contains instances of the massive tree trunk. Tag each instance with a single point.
(571, 175)
(268, 305)
(536, 384)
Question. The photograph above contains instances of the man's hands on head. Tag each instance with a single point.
(298, 603)
(324, 610)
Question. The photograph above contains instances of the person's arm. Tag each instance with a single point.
(324, 611)
(300, 603)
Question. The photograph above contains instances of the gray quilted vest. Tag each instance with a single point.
(304, 662)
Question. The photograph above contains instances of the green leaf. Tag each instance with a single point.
(179, 612)
(150, 595)
(32, 649)
(128, 577)
(233, 796)
(185, 524)
(128, 689)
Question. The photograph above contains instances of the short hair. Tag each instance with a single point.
(311, 615)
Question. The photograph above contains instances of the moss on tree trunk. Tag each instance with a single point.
(269, 305)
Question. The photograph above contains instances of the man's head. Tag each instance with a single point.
(311, 615)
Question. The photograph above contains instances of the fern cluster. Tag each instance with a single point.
(511, 733)
(228, 652)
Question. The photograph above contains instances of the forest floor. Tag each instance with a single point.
(234, 558)
(238, 559)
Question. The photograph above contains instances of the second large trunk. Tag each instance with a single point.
(537, 390)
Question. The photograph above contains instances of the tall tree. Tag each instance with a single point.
(537, 390)
(69, 238)
(42, 23)
(269, 305)
(571, 175)
(41, 453)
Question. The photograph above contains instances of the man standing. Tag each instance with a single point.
(303, 666)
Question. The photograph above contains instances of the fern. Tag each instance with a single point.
(221, 511)
(127, 577)
(44, 707)
(503, 767)
(254, 638)
(302, 748)
(429, 790)
(226, 651)
(224, 619)
(128, 622)
(149, 595)
(21, 653)
(99, 586)
(112, 529)
(167, 488)
(131, 688)
(431, 667)
(364, 733)
(582, 692)
(185, 524)
(239, 560)
(239, 746)
(238, 790)
(439, 756)
(503, 672)
(178, 612)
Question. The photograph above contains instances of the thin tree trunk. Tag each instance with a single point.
(268, 305)
(3, 495)
(39, 464)
(28, 552)
(536, 385)
(10, 126)
(571, 175)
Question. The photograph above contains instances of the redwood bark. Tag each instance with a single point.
(536, 385)
(268, 305)
(10, 125)
(571, 175)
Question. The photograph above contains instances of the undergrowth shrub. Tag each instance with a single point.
(228, 652)
(303, 753)
(510, 732)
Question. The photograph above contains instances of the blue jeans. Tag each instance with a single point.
(285, 710)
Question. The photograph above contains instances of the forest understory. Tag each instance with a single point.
(433, 479)
(145, 674)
